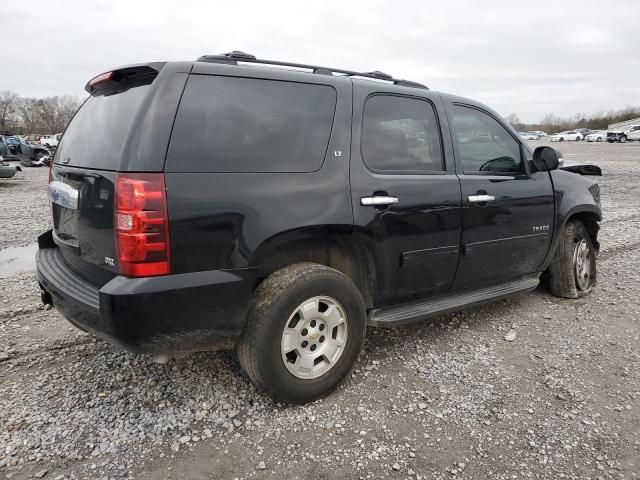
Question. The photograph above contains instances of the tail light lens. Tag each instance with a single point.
(142, 224)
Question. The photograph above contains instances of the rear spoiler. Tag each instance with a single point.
(122, 79)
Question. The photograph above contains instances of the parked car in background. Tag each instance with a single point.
(631, 132)
(29, 154)
(4, 149)
(50, 141)
(570, 136)
(540, 133)
(8, 171)
(31, 138)
(584, 132)
(529, 136)
(596, 136)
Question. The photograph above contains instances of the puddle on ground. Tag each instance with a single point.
(17, 259)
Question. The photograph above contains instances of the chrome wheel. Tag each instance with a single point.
(314, 337)
(582, 265)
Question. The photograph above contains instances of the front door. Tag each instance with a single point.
(405, 194)
(507, 210)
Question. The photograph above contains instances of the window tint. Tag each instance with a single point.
(483, 145)
(231, 124)
(400, 135)
(97, 134)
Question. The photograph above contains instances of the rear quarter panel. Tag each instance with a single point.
(220, 220)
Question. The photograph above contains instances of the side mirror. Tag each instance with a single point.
(546, 158)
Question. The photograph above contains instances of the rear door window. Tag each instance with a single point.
(401, 135)
(233, 124)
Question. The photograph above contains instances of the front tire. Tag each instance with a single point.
(573, 268)
(623, 139)
(304, 332)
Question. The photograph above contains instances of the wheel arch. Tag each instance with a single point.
(331, 246)
(588, 214)
(589, 217)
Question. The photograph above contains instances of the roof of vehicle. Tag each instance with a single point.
(237, 57)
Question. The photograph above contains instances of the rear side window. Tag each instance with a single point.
(400, 135)
(231, 124)
(97, 135)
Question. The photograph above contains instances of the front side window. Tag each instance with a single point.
(400, 135)
(483, 144)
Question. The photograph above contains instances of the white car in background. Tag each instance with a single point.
(570, 136)
(49, 140)
(597, 136)
(529, 136)
(630, 132)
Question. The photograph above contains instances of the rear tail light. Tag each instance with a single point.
(141, 224)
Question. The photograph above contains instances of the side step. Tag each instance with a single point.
(421, 309)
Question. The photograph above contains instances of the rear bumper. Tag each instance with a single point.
(168, 314)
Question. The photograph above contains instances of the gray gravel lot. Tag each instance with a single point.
(446, 399)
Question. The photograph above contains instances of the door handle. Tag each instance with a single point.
(378, 200)
(481, 198)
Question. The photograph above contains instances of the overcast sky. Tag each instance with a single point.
(529, 58)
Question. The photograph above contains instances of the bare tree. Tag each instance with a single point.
(8, 103)
(67, 107)
(513, 119)
(46, 115)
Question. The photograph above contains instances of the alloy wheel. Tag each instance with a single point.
(582, 265)
(314, 337)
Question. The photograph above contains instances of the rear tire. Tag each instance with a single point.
(623, 139)
(300, 317)
(573, 268)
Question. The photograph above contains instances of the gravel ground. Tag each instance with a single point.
(24, 199)
(529, 387)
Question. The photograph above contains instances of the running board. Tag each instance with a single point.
(422, 309)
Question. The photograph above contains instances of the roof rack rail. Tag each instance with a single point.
(236, 56)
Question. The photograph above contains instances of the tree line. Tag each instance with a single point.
(553, 124)
(49, 115)
(25, 115)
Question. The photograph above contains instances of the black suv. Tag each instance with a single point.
(230, 202)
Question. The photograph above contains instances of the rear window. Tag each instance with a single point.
(96, 136)
(231, 124)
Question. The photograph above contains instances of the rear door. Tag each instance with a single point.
(507, 210)
(405, 194)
